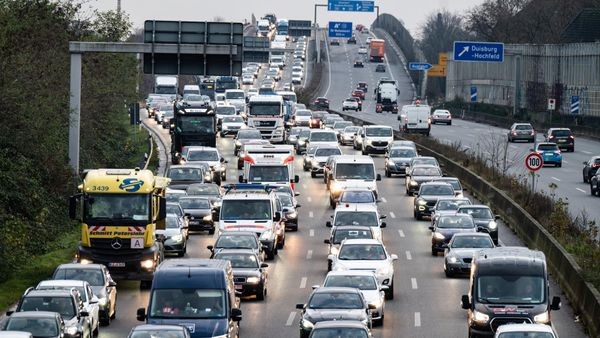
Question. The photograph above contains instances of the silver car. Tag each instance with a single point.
(458, 254)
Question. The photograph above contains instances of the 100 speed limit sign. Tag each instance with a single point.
(534, 161)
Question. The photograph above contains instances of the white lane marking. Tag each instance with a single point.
(413, 283)
(383, 200)
(408, 255)
(311, 214)
(583, 191)
(556, 179)
(417, 319)
(514, 147)
(328, 70)
(309, 254)
(303, 282)
(290, 319)
(392, 215)
(311, 233)
(309, 199)
(304, 186)
(565, 162)
(401, 233)
(586, 152)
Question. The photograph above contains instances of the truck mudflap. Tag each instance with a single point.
(130, 264)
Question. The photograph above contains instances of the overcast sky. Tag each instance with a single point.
(411, 12)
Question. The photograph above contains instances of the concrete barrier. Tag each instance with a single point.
(584, 297)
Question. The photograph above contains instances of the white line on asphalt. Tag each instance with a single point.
(401, 233)
(383, 200)
(583, 191)
(392, 215)
(565, 162)
(328, 71)
(303, 282)
(586, 152)
(311, 214)
(417, 319)
(291, 318)
(514, 147)
(309, 254)
(556, 179)
(408, 255)
(311, 233)
(309, 199)
(413, 282)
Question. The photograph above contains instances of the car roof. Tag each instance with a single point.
(546, 143)
(351, 273)
(479, 206)
(148, 327)
(471, 234)
(362, 241)
(351, 227)
(48, 293)
(356, 207)
(238, 251)
(36, 314)
(62, 282)
(336, 289)
(238, 233)
(524, 327)
(377, 126)
(81, 266)
(436, 183)
(353, 158)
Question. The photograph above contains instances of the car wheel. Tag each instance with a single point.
(96, 331)
(329, 265)
(559, 164)
(448, 273)
(181, 253)
(262, 293)
(364, 152)
(304, 167)
(433, 251)
(584, 179)
(331, 203)
(389, 294)
(211, 231)
(387, 173)
(313, 174)
(271, 254)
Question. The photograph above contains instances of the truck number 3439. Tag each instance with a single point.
(99, 188)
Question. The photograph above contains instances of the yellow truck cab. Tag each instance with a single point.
(119, 211)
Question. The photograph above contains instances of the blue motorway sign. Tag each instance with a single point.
(340, 29)
(473, 94)
(350, 5)
(478, 51)
(575, 104)
(419, 66)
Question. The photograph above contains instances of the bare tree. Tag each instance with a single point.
(493, 19)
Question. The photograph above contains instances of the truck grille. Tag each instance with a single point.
(265, 123)
(105, 245)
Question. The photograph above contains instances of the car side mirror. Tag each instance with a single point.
(94, 300)
(556, 303)
(328, 224)
(210, 247)
(296, 194)
(141, 314)
(277, 216)
(384, 288)
(584, 163)
(264, 265)
(73, 206)
(8, 313)
(464, 302)
(496, 217)
(382, 216)
(327, 241)
(378, 177)
(394, 257)
(298, 206)
(383, 225)
(372, 307)
(431, 228)
(84, 314)
(300, 306)
(112, 283)
(236, 314)
(445, 246)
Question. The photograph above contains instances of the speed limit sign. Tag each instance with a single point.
(534, 161)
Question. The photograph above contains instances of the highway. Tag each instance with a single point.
(472, 136)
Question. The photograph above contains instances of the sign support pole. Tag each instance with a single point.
(75, 111)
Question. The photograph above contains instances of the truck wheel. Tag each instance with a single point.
(145, 284)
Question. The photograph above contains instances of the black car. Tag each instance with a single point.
(446, 226)
(334, 42)
(67, 303)
(39, 323)
(590, 168)
(595, 184)
(380, 69)
(351, 40)
(183, 175)
(340, 328)
(237, 240)
(243, 136)
(419, 174)
(428, 195)
(199, 209)
(211, 191)
(563, 137)
(334, 303)
(321, 103)
(249, 271)
(359, 64)
(484, 218)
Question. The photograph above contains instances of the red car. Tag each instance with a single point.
(362, 86)
(359, 93)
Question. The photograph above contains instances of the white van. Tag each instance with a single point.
(417, 119)
(376, 139)
(352, 171)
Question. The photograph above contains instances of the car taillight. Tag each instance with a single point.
(572, 137)
(540, 151)
(557, 152)
(596, 165)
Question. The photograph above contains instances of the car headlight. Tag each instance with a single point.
(391, 162)
(542, 318)
(238, 143)
(452, 259)
(253, 280)
(147, 264)
(480, 318)
(314, 163)
(335, 187)
(102, 301)
(438, 235)
(421, 202)
(71, 330)
(306, 324)
(492, 225)
(177, 238)
(369, 142)
(384, 271)
(292, 214)
(414, 183)
(85, 261)
(301, 142)
(266, 235)
(335, 250)
(217, 204)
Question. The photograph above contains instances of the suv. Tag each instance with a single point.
(363, 214)
(66, 302)
(563, 137)
(429, 193)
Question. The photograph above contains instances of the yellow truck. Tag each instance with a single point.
(119, 211)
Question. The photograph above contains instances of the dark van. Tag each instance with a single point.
(196, 293)
(509, 285)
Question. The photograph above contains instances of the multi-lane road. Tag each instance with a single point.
(567, 181)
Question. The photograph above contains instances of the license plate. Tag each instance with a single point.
(562, 141)
(237, 287)
(412, 124)
(116, 264)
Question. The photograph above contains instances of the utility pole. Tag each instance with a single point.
(119, 6)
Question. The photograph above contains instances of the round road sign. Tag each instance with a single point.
(534, 161)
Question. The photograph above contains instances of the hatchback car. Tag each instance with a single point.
(237, 240)
(397, 160)
(175, 235)
(38, 323)
(550, 153)
(521, 131)
(199, 209)
(590, 167)
(446, 227)
(249, 271)
(458, 254)
(321, 103)
(380, 69)
(429, 193)
(563, 137)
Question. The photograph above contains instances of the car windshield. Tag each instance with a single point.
(341, 125)
(225, 110)
(174, 208)
(194, 203)
(426, 172)
(311, 150)
(188, 303)
(318, 115)
(94, 277)
(523, 127)
(239, 260)
(367, 218)
(351, 130)
(359, 282)
(303, 113)
(38, 327)
(326, 152)
(547, 147)
(436, 190)
(338, 332)
(341, 234)
(561, 133)
(185, 174)
(243, 209)
(471, 242)
(258, 173)
(355, 171)
(455, 222)
(481, 213)
(402, 153)
(236, 242)
(204, 189)
(286, 200)
(173, 196)
(323, 137)
(195, 124)
(251, 134)
(379, 132)
(511, 289)
(62, 305)
(238, 119)
(135, 207)
(305, 133)
(234, 95)
(450, 204)
(294, 131)
(357, 197)
(336, 300)
(362, 252)
(172, 222)
(202, 155)
(157, 333)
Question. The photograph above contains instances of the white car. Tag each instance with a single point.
(350, 103)
(367, 283)
(230, 125)
(525, 330)
(297, 73)
(248, 79)
(296, 79)
(369, 255)
(90, 301)
(208, 155)
(441, 116)
(369, 40)
(362, 50)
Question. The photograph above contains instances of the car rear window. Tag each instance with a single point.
(561, 133)
(523, 127)
(547, 147)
